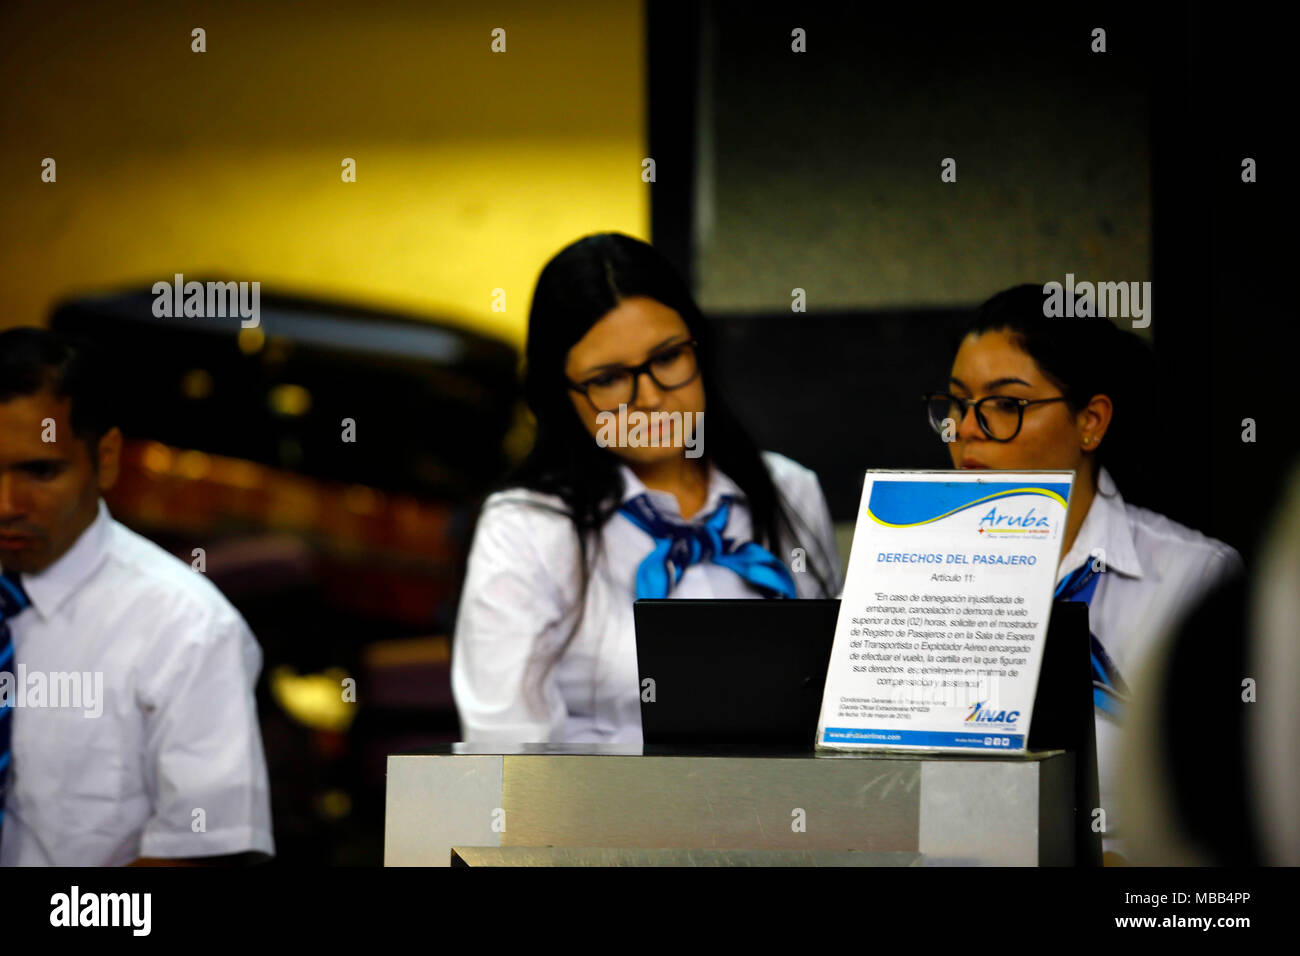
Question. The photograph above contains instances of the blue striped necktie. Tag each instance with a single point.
(678, 546)
(13, 601)
(1109, 692)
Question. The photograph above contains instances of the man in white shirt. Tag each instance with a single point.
(128, 679)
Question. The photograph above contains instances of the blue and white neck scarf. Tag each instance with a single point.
(678, 546)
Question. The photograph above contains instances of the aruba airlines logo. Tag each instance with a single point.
(1001, 521)
(911, 504)
(979, 714)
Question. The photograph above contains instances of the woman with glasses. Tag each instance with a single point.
(1028, 391)
(624, 495)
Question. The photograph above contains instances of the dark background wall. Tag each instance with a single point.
(821, 169)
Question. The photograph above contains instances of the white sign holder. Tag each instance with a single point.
(945, 610)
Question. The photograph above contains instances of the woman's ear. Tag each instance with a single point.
(1093, 421)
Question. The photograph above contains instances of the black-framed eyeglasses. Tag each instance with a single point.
(998, 416)
(671, 367)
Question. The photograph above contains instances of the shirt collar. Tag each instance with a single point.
(666, 503)
(51, 587)
(1105, 532)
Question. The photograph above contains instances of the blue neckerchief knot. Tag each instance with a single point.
(1109, 692)
(678, 546)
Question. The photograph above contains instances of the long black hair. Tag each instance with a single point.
(579, 286)
(1083, 357)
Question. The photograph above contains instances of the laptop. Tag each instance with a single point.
(751, 673)
(740, 672)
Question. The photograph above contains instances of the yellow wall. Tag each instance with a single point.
(472, 167)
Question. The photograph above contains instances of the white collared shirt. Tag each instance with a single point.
(1156, 571)
(168, 761)
(521, 592)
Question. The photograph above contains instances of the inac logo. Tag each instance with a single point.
(980, 714)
